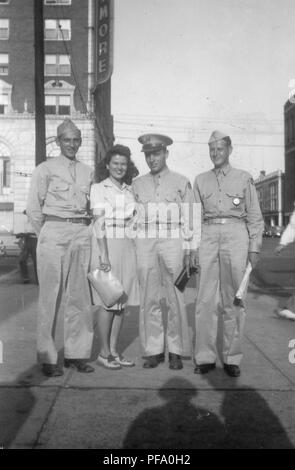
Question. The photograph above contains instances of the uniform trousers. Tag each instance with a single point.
(159, 262)
(223, 260)
(63, 258)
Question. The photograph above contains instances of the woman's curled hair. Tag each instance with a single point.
(103, 172)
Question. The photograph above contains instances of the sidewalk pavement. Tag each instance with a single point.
(146, 409)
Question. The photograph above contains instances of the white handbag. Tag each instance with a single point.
(108, 287)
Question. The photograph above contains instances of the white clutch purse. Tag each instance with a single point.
(108, 287)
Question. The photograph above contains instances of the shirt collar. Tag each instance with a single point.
(164, 172)
(108, 183)
(66, 161)
(223, 171)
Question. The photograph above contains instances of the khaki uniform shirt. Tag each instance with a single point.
(167, 199)
(59, 187)
(230, 192)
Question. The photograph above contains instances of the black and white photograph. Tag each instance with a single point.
(147, 227)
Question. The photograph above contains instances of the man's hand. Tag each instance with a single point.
(278, 249)
(186, 263)
(194, 259)
(253, 258)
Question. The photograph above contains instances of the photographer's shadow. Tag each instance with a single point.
(178, 424)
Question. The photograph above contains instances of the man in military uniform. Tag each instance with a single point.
(57, 208)
(165, 237)
(231, 235)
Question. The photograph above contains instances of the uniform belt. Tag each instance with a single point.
(72, 220)
(160, 226)
(224, 220)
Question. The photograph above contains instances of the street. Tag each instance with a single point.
(153, 409)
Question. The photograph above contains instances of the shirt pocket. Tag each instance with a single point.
(235, 200)
(173, 196)
(59, 190)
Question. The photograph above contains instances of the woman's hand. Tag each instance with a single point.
(104, 264)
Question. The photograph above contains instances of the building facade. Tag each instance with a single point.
(270, 191)
(72, 29)
(289, 120)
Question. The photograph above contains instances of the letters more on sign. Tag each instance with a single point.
(104, 50)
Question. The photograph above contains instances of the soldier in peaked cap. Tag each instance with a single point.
(165, 238)
(232, 227)
(57, 208)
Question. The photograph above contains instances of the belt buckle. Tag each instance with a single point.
(222, 221)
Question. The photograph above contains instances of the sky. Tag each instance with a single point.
(187, 67)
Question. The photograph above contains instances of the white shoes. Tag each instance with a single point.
(108, 362)
(123, 361)
(285, 313)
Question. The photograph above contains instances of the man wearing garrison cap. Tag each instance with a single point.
(58, 210)
(165, 238)
(231, 236)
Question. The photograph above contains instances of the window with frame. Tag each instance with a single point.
(6, 172)
(4, 63)
(58, 104)
(57, 30)
(4, 29)
(57, 64)
(273, 187)
(4, 102)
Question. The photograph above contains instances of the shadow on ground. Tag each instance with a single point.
(245, 422)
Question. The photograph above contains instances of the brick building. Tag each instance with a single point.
(270, 191)
(72, 30)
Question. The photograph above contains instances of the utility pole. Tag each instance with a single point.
(40, 140)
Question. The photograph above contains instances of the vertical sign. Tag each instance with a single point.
(104, 49)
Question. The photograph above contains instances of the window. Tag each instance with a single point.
(4, 28)
(4, 101)
(58, 104)
(273, 196)
(4, 61)
(6, 172)
(57, 64)
(57, 30)
(57, 2)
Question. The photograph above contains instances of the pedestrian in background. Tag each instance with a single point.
(165, 238)
(113, 206)
(288, 236)
(58, 210)
(28, 245)
(231, 236)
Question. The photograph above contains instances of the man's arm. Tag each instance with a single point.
(36, 198)
(255, 223)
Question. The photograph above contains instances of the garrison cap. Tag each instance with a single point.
(217, 135)
(154, 142)
(68, 125)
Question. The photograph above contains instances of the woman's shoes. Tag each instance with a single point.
(108, 362)
(123, 361)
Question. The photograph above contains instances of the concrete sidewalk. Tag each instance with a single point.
(147, 409)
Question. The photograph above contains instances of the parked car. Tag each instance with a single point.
(273, 231)
(9, 245)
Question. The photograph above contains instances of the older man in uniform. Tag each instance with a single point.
(164, 239)
(58, 210)
(231, 236)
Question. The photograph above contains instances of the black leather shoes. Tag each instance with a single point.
(79, 364)
(51, 370)
(175, 361)
(161, 357)
(204, 368)
(151, 362)
(232, 370)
